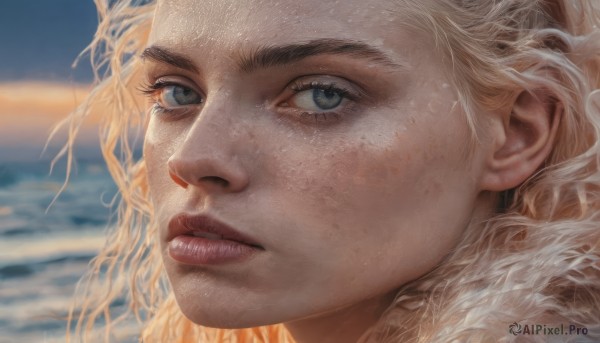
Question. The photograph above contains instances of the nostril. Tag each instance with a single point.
(177, 179)
(216, 180)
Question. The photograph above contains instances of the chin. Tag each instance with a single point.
(223, 316)
(221, 306)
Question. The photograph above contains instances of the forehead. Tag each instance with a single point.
(236, 24)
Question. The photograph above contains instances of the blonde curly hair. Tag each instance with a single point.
(536, 261)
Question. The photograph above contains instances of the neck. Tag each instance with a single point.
(346, 324)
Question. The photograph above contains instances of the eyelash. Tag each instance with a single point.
(326, 116)
(298, 87)
(152, 89)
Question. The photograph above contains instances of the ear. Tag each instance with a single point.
(523, 142)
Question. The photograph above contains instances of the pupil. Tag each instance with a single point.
(329, 93)
(326, 99)
(185, 96)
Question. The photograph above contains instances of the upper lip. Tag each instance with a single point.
(186, 224)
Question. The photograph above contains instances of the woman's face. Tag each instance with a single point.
(322, 130)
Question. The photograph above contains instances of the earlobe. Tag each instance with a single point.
(528, 137)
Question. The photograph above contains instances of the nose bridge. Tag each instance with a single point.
(212, 125)
(207, 156)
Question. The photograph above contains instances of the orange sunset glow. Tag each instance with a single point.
(29, 111)
(33, 107)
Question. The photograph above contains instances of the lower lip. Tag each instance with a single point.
(204, 251)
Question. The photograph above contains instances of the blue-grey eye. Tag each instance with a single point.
(326, 99)
(318, 99)
(176, 96)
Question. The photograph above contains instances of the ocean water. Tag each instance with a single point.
(45, 250)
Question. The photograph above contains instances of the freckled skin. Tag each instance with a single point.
(348, 211)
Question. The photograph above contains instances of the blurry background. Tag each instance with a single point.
(44, 250)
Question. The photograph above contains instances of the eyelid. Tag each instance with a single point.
(350, 89)
(298, 88)
(354, 98)
(152, 85)
(152, 89)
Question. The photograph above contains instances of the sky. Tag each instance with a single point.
(39, 40)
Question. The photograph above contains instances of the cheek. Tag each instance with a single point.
(159, 144)
(363, 178)
(393, 200)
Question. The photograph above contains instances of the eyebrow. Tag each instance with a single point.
(163, 55)
(271, 56)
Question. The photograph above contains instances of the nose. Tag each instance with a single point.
(206, 159)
